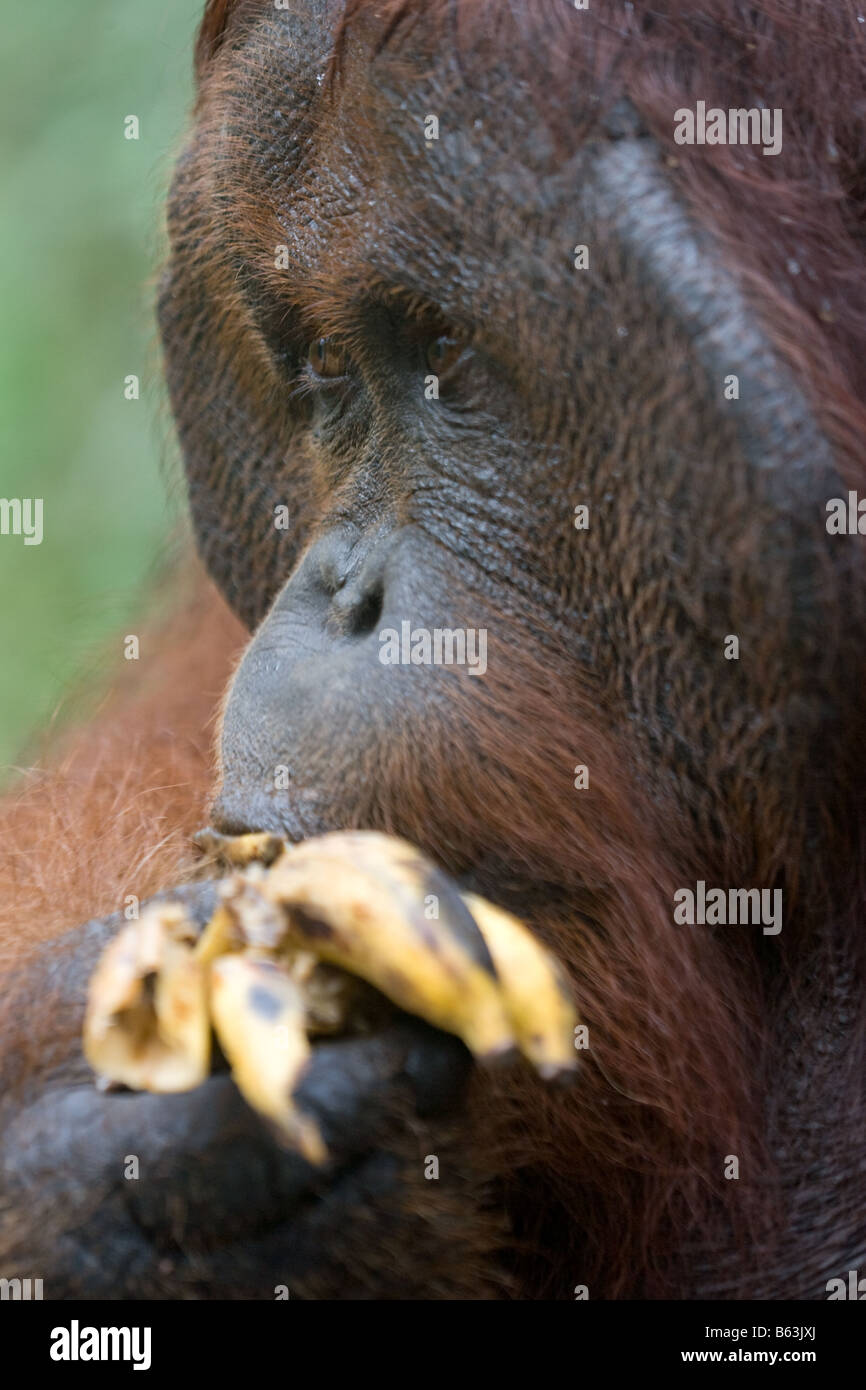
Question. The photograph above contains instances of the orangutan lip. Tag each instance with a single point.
(264, 818)
(490, 877)
(208, 1175)
(280, 1251)
(276, 1222)
(196, 1181)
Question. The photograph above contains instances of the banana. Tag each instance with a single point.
(319, 941)
(334, 1000)
(358, 899)
(534, 987)
(221, 936)
(243, 918)
(259, 1017)
(238, 851)
(147, 1023)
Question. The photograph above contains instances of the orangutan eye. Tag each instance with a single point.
(443, 352)
(327, 357)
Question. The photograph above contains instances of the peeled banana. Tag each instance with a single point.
(147, 1023)
(259, 1017)
(310, 939)
(237, 851)
(534, 989)
(360, 899)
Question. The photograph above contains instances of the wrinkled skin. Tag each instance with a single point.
(706, 520)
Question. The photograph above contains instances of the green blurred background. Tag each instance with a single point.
(81, 238)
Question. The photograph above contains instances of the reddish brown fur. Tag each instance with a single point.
(109, 810)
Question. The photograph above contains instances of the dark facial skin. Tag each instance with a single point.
(560, 387)
(604, 388)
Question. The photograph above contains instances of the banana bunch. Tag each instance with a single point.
(310, 939)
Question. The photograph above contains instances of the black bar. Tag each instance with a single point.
(254, 1339)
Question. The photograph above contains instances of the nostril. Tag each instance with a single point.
(368, 613)
(359, 610)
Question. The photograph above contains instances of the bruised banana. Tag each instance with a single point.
(259, 1017)
(359, 900)
(246, 920)
(238, 851)
(268, 971)
(536, 992)
(147, 1023)
(155, 994)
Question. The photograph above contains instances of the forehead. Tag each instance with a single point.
(417, 162)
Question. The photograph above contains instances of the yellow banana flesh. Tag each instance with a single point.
(357, 900)
(245, 918)
(221, 936)
(534, 988)
(246, 915)
(147, 1022)
(316, 940)
(238, 851)
(259, 1017)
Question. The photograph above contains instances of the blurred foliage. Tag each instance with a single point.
(81, 240)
